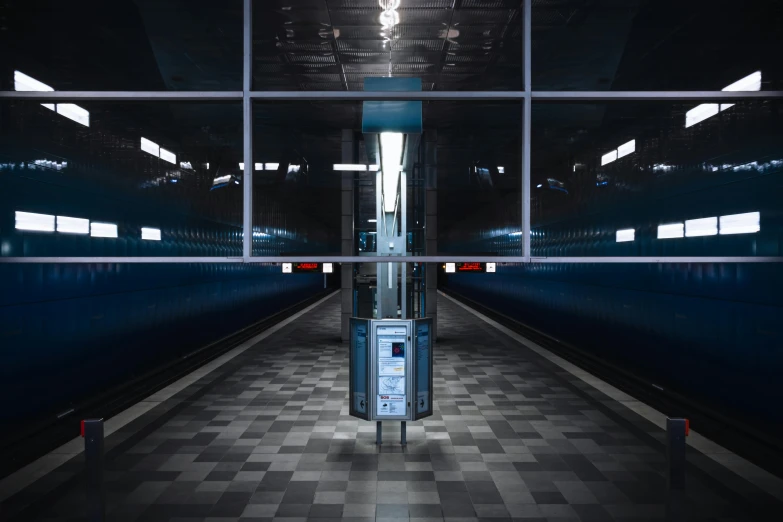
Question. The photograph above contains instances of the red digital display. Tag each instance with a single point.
(306, 267)
(470, 267)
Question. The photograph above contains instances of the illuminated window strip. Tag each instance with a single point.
(747, 223)
(71, 225)
(34, 222)
(103, 230)
(625, 235)
(670, 231)
(150, 234)
(701, 227)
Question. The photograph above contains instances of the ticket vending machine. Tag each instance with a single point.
(391, 370)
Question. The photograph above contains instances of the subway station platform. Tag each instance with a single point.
(263, 433)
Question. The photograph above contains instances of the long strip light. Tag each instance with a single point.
(150, 234)
(159, 152)
(625, 235)
(22, 82)
(391, 158)
(168, 156)
(103, 230)
(33, 221)
(355, 167)
(747, 223)
(621, 151)
(701, 227)
(672, 230)
(71, 225)
(698, 114)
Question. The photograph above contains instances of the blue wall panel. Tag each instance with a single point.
(711, 332)
(68, 331)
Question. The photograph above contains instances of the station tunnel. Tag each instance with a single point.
(391, 259)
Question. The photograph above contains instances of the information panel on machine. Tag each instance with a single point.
(392, 353)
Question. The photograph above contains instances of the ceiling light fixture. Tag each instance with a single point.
(391, 158)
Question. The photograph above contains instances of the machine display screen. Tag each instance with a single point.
(470, 267)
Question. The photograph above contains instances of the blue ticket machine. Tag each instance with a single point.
(391, 369)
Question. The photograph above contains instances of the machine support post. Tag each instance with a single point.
(403, 434)
(92, 431)
(676, 431)
(378, 433)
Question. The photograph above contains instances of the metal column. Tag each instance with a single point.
(431, 227)
(346, 224)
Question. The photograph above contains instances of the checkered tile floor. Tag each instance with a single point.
(268, 437)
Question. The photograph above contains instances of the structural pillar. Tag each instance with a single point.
(431, 226)
(346, 224)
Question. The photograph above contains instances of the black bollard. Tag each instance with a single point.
(378, 433)
(676, 431)
(403, 434)
(92, 431)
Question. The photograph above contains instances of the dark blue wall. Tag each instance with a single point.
(712, 332)
(69, 330)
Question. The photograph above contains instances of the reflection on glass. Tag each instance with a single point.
(82, 185)
(712, 184)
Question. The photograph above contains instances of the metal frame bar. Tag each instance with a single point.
(538, 96)
(526, 96)
(247, 131)
(527, 111)
(397, 259)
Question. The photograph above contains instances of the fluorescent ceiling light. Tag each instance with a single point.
(501, 170)
(373, 168)
(186, 165)
(350, 167)
(669, 231)
(451, 268)
(700, 113)
(150, 234)
(328, 268)
(751, 82)
(22, 82)
(241, 166)
(539, 185)
(271, 166)
(740, 223)
(287, 268)
(32, 221)
(258, 166)
(71, 225)
(626, 149)
(391, 157)
(372, 220)
(515, 234)
(150, 147)
(701, 227)
(221, 179)
(490, 268)
(294, 168)
(608, 157)
(168, 156)
(74, 112)
(103, 230)
(625, 235)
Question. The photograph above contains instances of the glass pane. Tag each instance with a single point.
(94, 45)
(656, 179)
(656, 45)
(336, 44)
(119, 179)
(316, 178)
